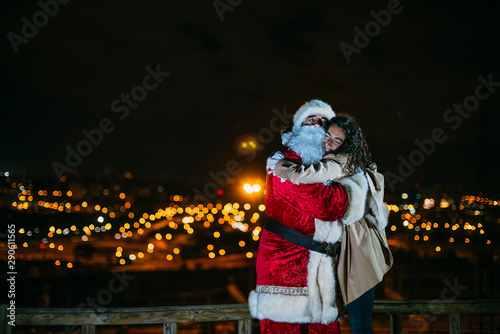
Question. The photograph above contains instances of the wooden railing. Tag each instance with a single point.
(170, 316)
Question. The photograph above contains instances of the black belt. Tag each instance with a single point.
(301, 239)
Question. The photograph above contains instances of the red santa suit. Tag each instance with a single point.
(295, 285)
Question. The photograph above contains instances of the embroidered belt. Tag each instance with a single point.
(301, 239)
(282, 290)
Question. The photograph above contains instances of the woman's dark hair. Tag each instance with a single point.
(354, 146)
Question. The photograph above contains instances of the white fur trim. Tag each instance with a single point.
(319, 305)
(381, 213)
(383, 218)
(281, 308)
(379, 210)
(321, 274)
(321, 282)
(327, 231)
(357, 189)
(312, 107)
(272, 160)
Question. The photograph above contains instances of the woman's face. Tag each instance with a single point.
(334, 138)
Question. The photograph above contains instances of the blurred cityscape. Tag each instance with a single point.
(72, 237)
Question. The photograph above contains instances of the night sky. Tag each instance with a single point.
(226, 77)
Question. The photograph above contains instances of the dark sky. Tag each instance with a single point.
(226, 77)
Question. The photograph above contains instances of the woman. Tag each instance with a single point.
(347, 155)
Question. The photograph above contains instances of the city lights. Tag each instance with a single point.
(166, 229)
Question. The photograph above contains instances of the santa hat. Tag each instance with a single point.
(310, 108)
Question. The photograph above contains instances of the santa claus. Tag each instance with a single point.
(295, 290)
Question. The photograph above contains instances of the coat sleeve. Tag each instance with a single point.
(326, 169)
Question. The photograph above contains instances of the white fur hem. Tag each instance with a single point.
(321, 272)
(319, 306)
(321, 284)
(280, 308)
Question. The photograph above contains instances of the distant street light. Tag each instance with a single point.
(251, 188)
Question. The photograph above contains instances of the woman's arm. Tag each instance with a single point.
(329, 168)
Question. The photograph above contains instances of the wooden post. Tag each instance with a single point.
(4, 321)
(245, 326)
(396, 323)
(455, 327)
(88, 329)
(170, 328)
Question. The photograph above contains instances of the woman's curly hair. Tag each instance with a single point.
(354, 146)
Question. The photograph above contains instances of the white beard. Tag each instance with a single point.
(307, 142)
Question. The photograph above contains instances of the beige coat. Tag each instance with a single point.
(363, 196)
(330, 168)
(366, 200)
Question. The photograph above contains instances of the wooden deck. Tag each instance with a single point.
(170, 316)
